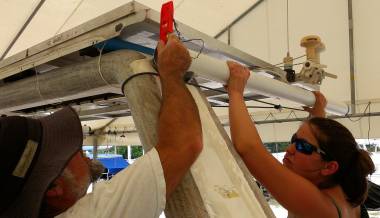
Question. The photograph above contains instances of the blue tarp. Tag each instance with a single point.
(113, 164)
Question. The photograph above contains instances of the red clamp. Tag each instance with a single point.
(167, 20)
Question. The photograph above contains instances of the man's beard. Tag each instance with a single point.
(96, 170)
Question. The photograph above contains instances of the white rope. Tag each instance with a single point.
(100, 67)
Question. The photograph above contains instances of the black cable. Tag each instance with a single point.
(200, 50)
(136, 75)
(246, 106)
(176, 29)
(365, 110)
(181, 38)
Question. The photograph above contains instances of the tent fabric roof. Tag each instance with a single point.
(262, 33)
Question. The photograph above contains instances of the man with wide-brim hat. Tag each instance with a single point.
(43, 172)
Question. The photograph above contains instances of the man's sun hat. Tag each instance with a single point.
(34, 153)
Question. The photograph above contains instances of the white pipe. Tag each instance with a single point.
(217, 70)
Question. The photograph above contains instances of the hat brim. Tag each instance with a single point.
(62, 137)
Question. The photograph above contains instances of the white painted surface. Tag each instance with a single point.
(223, 188)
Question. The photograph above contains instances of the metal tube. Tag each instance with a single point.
(92, 77)
(352, 57)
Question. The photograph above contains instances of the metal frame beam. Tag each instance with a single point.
(352, 57)
(239, 18)
(358, 115)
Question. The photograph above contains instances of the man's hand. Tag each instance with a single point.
(318, 110)
(238, 78)
(173, 58)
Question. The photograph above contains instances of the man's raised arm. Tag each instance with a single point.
(179, 130)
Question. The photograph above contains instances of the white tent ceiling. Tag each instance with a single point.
(262, 33)
(56, 16)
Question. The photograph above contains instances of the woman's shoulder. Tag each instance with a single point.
(339, 200)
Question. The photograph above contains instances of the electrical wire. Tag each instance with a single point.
(176, 30)
(100, 67)
(200, 50)
(246, 106)
(301, 56)
(182, 39)
(365, 110)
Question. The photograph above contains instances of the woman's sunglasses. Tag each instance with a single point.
(305, 147)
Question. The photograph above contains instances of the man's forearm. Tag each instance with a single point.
(179, 115)
(179, 128)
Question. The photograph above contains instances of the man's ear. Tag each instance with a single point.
(55, 189)
(330, 168)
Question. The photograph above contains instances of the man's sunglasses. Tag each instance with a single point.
(305, 147)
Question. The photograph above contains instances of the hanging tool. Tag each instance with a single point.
(167, 20)
(166, 26)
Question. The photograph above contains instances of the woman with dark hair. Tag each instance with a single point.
(324, 173)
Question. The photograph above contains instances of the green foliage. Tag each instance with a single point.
(123, 150)
(137, 151)
(275, 147)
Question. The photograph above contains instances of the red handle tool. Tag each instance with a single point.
(166, 23)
